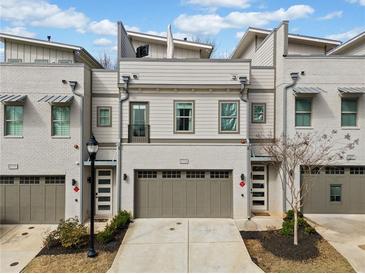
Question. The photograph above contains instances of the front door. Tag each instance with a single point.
(259, 188)
(103, 192)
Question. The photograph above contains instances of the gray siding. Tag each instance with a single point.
(264, 55)
(126, 47)
(264, 130)
(105, 81)
(262, 78)
(29, 53)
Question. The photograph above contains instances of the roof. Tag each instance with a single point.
(177, 42)
(347, 44)
(12, 98)
(251, 32)
(353, 90)
(57, 99)
(6, 36)
(307, 90)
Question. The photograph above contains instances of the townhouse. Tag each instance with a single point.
(178, 137)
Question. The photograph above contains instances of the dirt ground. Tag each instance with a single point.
(59, 260)
(273, 252)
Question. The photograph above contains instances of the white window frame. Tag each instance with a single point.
(189, 117)
(220, 117)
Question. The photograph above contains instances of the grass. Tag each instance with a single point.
(273, 252)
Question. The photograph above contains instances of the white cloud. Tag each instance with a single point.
(132, 28)
(344, 36)
(220, 3)
(104, 27)
(211, 24)
(102, 42)
(21, 31)
(239, 34)
(332, 15)
(360, 2)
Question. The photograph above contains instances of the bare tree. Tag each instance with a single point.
(106, 61)
(310, 152)
(208, 41)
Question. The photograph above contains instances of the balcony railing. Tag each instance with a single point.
(138, 133)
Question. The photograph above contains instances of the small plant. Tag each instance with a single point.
(116, 224)
(288, 224)
(69, 234)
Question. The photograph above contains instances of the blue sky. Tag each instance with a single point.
(91, 23)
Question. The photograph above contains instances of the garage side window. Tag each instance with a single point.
(104, 117)
(335, 193)
(228, 117)
(13, 120)
(303, 112)
(61, 121)
(348, 112)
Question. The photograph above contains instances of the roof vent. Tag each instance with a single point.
(49, 38)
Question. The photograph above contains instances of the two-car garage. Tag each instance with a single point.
(183, 193)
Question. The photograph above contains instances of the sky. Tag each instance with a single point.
(92, 23)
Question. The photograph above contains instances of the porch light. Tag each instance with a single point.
(92, 146)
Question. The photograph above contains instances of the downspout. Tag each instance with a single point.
(122, 98)
(294, 76)
(73, 85)
(244, 98)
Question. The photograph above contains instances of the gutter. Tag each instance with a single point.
(73, 85)
(244, 98)
(294, 76)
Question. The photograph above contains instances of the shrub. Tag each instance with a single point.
(69, 234)
(288, 224)
(115, 225)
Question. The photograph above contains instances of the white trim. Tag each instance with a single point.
(347, 43)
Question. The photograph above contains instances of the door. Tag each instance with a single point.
(183, 193)
(103, 192)
(259, 188)
(139, 118)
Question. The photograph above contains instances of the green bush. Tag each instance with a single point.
(288, 224)
(69, 233)
(115, 225)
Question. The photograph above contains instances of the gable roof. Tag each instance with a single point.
(83, 53)
(251, 32)
(178, 42)
(348, 43)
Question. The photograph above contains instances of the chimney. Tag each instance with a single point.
(49, 38)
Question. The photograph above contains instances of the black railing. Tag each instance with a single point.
(138, 133)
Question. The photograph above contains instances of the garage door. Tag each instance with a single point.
(32, 199)
(335, 190)
(189, 193)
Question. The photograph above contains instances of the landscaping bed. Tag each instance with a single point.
(55, 257)
(274, 252)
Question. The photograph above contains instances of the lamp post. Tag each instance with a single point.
(92, 148)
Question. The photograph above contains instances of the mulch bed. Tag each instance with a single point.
(59, 259)
(274, 252)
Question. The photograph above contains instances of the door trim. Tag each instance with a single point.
(259, 208)
(97, 194)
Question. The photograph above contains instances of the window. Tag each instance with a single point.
(171, 174)
(194, 174)
(146, 174)
(184, 112)
(335, 170)
(26, 180)
(13, 60)
(41, 61)
(228, 117)
(60, 121)
(303, 112)
(219, 174)
(104, 117)
(13, 120)
(7, 180)
(357, 170)
(258, 113)
(55, 180)
(335, 193)
(64, 61)
(348, 112)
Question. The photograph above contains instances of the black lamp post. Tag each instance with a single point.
(92, 147)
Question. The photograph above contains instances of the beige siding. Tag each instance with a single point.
(104, 81)
(264, 55)
(28, 53)
(159, 50)
(264, 130)
(105, 134)
(249, 52)
(262, 78)
(161, 119)
(356, 49)
(301, 49)
(187, 72)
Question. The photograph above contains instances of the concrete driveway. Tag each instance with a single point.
(346, 233)
(183, 245)
(19, 244)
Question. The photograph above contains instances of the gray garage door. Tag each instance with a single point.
(335, 190)
(190, 193)
(32, 199)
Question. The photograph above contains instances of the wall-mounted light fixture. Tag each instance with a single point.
(125, 176)
(64, 81)
(73, 85)
(294, 76)
(242, 177)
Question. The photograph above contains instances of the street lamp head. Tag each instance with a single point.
(92, 146)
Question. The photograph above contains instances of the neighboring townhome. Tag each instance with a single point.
(45, 96)
(319, 87)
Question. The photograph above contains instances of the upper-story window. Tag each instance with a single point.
(41, 61)
(258, 113)
(61, 121)
(348, 112)
(104, 116)
(13, 120)
(228, 116)
(184, 117)
(14, 60)
(303, 112)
